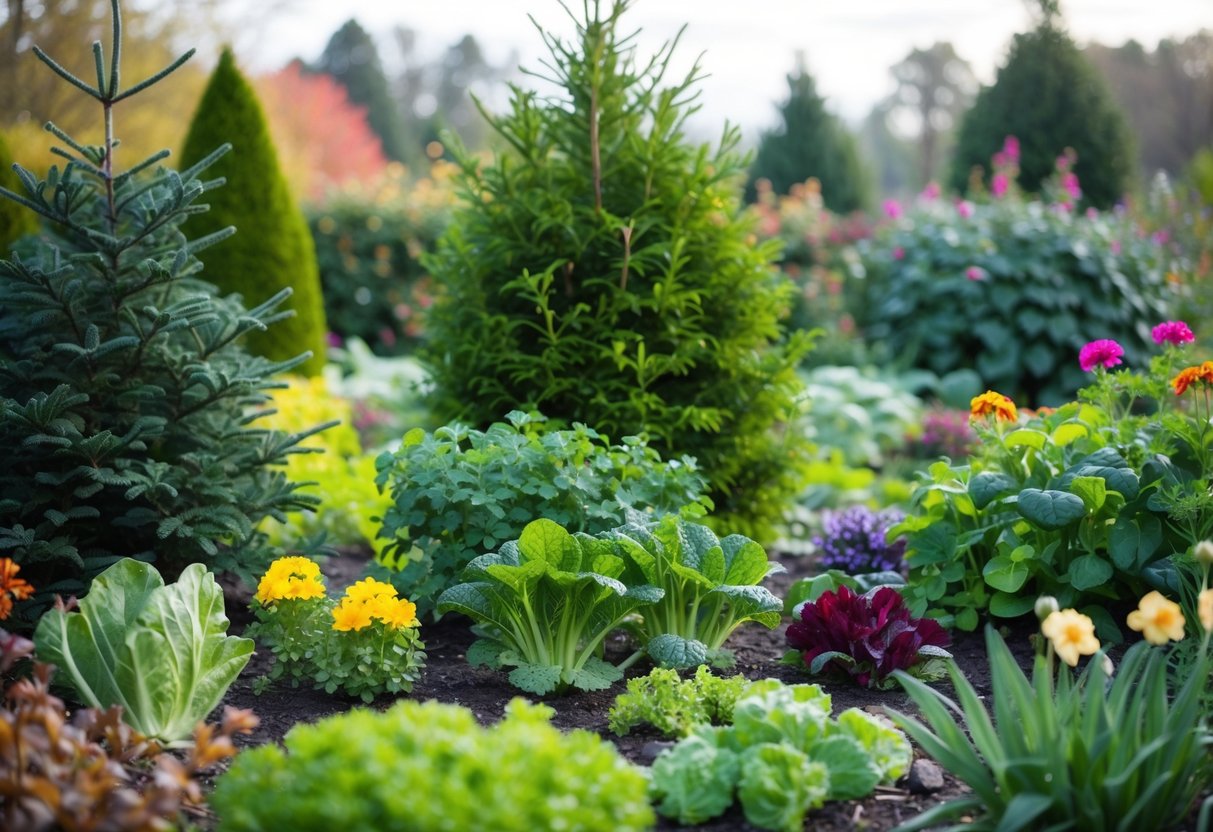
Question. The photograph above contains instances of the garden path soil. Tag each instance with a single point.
(448, 678)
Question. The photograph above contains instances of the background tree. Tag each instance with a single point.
(891, 158)
(15, 219)
(1050, 97)
(273, 247)
(810, 142)
(935, 86)
(323, 140)
(353, 60)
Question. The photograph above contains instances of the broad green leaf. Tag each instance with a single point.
(988, 486)
(1005, 574)
(752, 603)
(1008, 605)
(1025, 437)
(886, 747)
(547, 540)
(694, 542)
(796, 714)
(1050, 510)
(1092, 490)
(779, 785)
(1132, 542)
(746, 561)
(934, 544)
(668, 650)
(485, 653)
(538, 679)
(1068, 432)
(966, 619)
(1089, 571)
(853, 774)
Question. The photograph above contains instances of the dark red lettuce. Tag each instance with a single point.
(864, 637)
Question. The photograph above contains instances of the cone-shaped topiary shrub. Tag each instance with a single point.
(15, 220)
(127, 406)
(273, 248)
(599, 271)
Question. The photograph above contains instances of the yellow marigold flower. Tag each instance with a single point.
(297, 589)
(369, 588)
(997, 404)
(1190, 375)
(1072, 635)
(290, 578)
(1204, 607)
(401, 613)
(348, 617)
(1158, 619)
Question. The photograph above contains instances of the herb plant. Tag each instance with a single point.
(674, 705)
(782, 756)
(431, 767)
(363, 645)
(710, 588)
(94, 772)
(458, 492)
(865, 638)
(1096, 753)
(543, 605)
(161, 652)
(125, 398)
(599, 269)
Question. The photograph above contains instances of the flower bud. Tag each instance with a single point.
(1045, 606)
(1204, 552)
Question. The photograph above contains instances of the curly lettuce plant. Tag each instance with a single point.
(161, 652)
(782, 756)
(431, 767)
(865, 638)
(543, 605)
(459, 492)
(673, 705)
(710, 588)
(1100, 752)
(363, 645)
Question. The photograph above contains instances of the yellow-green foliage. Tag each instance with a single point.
(15, 220)
(344, 476)
(272, 247)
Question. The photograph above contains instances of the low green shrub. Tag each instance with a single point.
(458, 493)
(430, 767)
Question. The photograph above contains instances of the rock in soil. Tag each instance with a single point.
(925, 777)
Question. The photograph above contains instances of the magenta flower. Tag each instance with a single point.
(964, 208)
(1069, 181)
(1010, 148)
(892, 209)
(999, 184)
(333, 339)
(931, 191)
(1115, 246)
(975, 273)
(1104, 352)
(899, 253)
(1172, 332)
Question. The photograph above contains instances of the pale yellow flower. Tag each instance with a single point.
(1204, 552)
(1204, 607)
(1072, 635)
(1158, 619)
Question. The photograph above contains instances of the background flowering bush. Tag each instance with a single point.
(1013, 287)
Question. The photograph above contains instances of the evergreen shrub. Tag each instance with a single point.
(273, 248)
(127, 406)
(599, 270)
(15, 220)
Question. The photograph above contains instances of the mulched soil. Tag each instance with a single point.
(448, 678)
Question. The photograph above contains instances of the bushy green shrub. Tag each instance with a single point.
(125, 398)
(599, 270)
(431, 767)
(369, 242)
(15, 219)
(1051, 97)
(1013, 288)
(272, 249)
(458, 493)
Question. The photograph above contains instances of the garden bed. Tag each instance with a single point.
(449, 678)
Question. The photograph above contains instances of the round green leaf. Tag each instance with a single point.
(1050, 510)
(1005, 574)
(1089, 571)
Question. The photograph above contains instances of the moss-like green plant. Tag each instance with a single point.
(273, 248)
(15, 219)
(599, 271)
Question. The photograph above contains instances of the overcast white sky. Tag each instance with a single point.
(748, 47)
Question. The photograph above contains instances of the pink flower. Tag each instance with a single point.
(1172, 332)
(1161, 238)
(333, 339)
(1010, 148)
(931, 191)
(975, 273)
(1069, 181)
(964, 208)
(999, 184)
(1115, 246)
(1104, 352)
(899, 253)
(892, 209)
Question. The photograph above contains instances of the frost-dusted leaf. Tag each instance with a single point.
(539, 679)
(669, 650)
(753, 603)
(1050, 510)
(747, 561)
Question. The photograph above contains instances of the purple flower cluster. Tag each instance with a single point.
(853, 540)
(946, 433)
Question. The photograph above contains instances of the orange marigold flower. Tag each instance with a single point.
(1190, 375)
(990, 402)
(12, 588)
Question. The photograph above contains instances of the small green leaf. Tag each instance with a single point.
(538, 679)
(595, 674)
(1089, 571)
(1050, 510)
(1092, 490)
(1068, 432)
(966, 619)
(1005, 574)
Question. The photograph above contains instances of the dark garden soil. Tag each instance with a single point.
(448, 678)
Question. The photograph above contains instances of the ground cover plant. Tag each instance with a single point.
(125, 397)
